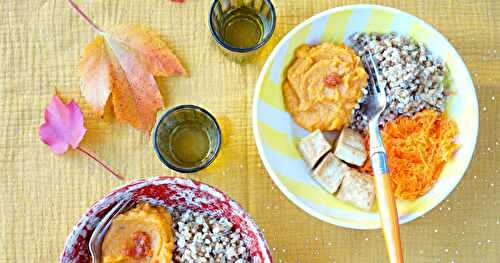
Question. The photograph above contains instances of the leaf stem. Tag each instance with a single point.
(89, 21)
(107, 167)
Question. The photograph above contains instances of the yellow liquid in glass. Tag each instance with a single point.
(242, 28)
(189, 144)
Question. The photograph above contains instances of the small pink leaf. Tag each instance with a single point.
(63, 126)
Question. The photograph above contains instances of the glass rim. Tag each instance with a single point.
(243, 50)
(201, 166)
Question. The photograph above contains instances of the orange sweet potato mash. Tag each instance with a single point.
(142, 234)
(323, 85)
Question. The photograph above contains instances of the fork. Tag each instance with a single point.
(103, 226)
(372, 108)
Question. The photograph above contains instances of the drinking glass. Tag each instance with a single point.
(224, 13)
(181, 118)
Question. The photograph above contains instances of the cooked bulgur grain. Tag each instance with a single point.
(412, 76)
(202, 238)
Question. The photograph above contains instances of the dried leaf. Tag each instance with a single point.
(96, 75)
(156, 55)
(63, 126)
(122, 63)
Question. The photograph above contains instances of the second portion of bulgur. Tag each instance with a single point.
(200, 237)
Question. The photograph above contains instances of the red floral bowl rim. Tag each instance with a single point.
(264, 252)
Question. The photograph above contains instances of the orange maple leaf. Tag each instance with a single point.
(122, 64)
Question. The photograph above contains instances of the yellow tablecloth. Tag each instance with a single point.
(42, 195)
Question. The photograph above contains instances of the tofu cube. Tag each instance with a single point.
(330, 172)
(331, 136)
(357, 189)
(313, 147)
(350, 147)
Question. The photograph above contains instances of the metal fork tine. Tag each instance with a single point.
(110, 214)
(129, 203)
(126, 205)
(101, 228)
(381, 90)
(372, 89)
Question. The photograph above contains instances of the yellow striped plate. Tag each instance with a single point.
(277, 135)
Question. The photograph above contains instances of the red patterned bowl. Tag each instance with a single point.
(170, 192)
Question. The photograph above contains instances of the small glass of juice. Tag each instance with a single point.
(240, 28)
(187, 138)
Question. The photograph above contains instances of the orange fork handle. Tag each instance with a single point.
(388, 217)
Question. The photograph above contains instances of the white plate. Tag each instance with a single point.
(276, 134)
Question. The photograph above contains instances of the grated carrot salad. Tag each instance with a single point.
(417, 149)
